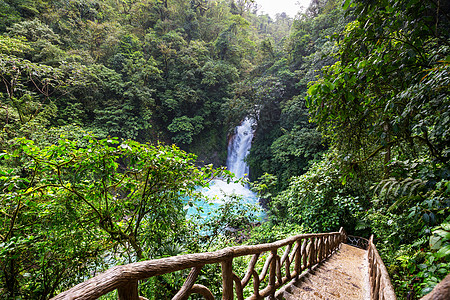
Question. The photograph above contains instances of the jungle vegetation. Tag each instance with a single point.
(114, 112)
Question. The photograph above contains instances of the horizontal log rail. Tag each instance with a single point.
(380, 283)
(357, 242)
(299, 253)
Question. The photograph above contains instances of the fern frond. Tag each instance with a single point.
(404, 181)
(397, 188)
(420, 183)
(397, 203)
(388, 182)
(405, 188)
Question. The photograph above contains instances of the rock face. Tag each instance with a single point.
(440, 291)
(343, 276)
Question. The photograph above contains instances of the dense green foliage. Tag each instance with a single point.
(285, 141)
(384, 107)
(74, 203)
(88, 202)
(146, 70)
(382, 104)
(352, 105)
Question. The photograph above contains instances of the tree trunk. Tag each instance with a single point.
(387, 155)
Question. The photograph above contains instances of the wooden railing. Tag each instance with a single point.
(380, 284)
(298, 254)
(357, 242)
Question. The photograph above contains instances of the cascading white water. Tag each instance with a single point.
(239, 147)
(219, 190)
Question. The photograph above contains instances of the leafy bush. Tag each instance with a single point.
(76, 205)
(318, 200)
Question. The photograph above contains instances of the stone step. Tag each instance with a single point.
(343, 276)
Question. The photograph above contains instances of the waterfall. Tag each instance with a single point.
(238, 148)
(219, 190)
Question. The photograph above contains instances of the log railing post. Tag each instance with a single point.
(256, 284)
(322, 248)
(312, 254)
(128, 291)
(305, 254)
(298, 259)
(336, 242)
(286, 260)
(227, 279)
(273, 273)
(279, 276)
(183, 293)
(343, 235)
(316, 250)
(330, 246)
(319, 249)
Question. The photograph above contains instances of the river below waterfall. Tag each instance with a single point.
(219, 191)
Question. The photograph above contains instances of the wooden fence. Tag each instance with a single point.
(380, 283)
(285, 259)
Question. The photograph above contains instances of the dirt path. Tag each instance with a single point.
(342, 276)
